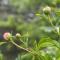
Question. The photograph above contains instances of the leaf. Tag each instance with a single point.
(27, 56)
(46, 42)
(1, 43)
(47, 57)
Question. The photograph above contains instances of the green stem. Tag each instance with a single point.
(52, 25)
(51, 22)
(22, 41)
(19, 46)
(26, 41)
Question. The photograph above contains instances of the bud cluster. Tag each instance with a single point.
(8, 35)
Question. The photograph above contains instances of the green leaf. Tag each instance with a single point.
(46, 42)
(27, 56)
(1, 43)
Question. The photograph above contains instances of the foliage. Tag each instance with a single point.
(35, 37)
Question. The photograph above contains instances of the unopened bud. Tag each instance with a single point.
(18, 35)
(6, 35)
(47, 10)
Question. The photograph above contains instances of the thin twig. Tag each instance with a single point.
(19, 46)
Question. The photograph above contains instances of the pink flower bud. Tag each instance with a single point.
(6, 35)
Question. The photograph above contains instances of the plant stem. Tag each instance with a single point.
(52, 25)
(22, 41)
(20, 46)
(51, 22)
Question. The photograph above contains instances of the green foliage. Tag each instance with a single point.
(40, 38)
(40, 51)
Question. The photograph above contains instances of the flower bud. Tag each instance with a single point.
(18, 35)
(6, 35)
(47, 10)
